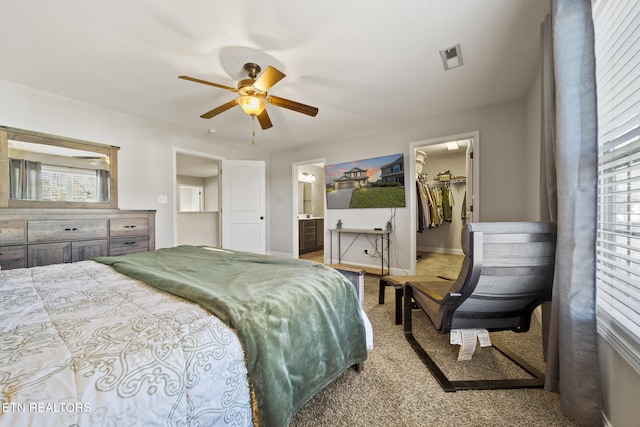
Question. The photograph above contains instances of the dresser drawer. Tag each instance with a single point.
(88, 249)
(128, 227)
(49, 253)
(12, 231)
(13, 257)
(52, 230)
(128, 245)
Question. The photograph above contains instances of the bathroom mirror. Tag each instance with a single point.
(304, 197)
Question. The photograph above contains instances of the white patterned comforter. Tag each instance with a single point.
(81, 344)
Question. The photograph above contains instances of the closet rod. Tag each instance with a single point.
(451, 181)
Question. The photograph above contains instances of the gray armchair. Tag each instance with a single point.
(506, 273)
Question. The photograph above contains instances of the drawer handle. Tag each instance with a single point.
(71, 229)
(129, 243)
(129, 226)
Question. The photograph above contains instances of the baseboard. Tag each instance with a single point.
(280, 254)
(440, 250)
(398, 271)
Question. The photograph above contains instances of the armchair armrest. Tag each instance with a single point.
(436, 292)
(451, 298)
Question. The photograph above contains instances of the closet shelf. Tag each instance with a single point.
(451, 181)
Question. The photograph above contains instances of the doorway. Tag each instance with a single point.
(208, 183)
(445, 192)
(308, 195)
(196, 199)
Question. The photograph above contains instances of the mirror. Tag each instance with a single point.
(304, 198)
(38, 170)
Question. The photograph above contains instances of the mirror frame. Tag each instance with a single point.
(8, 133)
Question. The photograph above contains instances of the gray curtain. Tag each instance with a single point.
(570, 153)
(102, 185)
(25, 180)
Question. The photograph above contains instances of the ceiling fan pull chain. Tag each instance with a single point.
(253, 138)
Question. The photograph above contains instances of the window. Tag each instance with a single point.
(191, 198)
(68, 184)
(617, 33)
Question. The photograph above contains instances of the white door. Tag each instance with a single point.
(243, 205)
(470, 193)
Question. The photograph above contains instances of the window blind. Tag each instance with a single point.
(617, 49)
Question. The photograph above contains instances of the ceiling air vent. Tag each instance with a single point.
(451, 57)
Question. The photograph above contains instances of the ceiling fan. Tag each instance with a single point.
(99, 161)
(253, 95)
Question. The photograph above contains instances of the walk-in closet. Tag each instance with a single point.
(442, 199)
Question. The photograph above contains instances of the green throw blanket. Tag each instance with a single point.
(299, 321)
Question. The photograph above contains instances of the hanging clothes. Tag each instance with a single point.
(430, 205)
(421, 222)
(447, 203)
(436, 201)
(436, 208)
(425, 201)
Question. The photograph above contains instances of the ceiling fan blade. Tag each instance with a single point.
(220, 109)
(265, 121)
(267, 79)
(204, 82)
(292, 105)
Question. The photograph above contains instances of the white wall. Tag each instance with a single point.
(212, 194)
(503, 137)
(198, 228)
(145, 159)
(620, 384)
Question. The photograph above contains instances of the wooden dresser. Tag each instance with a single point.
(33, 237)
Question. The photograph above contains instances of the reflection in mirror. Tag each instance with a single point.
(38, 170)
(305, 205)
(191, 198)
(57, 174)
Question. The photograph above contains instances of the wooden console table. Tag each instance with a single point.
(357, 232)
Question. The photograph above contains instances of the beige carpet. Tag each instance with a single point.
(396, 389)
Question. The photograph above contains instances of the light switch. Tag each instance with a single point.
(162, 200)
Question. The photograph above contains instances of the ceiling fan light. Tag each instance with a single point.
(252, 105)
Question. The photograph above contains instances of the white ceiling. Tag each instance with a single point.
(366, 65)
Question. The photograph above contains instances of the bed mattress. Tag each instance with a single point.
(82, 344)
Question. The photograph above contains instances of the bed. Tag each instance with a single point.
(177, 336)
